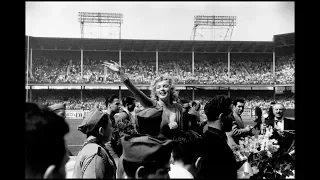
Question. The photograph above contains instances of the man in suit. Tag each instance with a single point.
(279, 121)
(189, 120)
(217, 159)
(238, 130)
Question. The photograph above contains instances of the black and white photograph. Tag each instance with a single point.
(160, 90)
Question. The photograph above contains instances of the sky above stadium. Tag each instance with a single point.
(256, 21)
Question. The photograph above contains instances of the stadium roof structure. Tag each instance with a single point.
(287, 39)
(137, 45)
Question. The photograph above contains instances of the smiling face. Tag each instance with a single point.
(163, 90)
(238, 109)
(278, 110)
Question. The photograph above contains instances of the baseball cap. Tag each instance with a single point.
(149, 121)
(146, 149)
(91, 120)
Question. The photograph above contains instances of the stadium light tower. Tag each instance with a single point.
(92, 20)
(222, 26)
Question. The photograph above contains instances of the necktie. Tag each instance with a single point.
(277, 121)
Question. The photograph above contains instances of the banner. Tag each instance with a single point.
(74, 114)
(78, 114)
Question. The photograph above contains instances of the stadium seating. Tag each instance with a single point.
(142, 71)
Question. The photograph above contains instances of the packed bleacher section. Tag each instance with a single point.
(212, 69)
(285, 68)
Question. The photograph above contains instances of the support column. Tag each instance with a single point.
(81, 63)
(229, 64)
(30, 93)
(31, 74)
(157, 63)
(229, 94)
(120, 93)
(192, 62)
(274, 66)
(81, 94)
(120, 57)
(193, 94)
(274, 93)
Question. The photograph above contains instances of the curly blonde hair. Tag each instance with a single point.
(173, 93)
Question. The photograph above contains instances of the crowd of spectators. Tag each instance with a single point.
(75, 103)
(143, 71)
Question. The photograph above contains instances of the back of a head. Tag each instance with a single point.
(235, 102)
(183, 101)
(219, 104)
(128, 100)
(258, 111)
(44, 138)
(143, 150)
(186, 146)
(110, 99)
(270, 113)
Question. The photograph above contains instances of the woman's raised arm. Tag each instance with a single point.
(139, 95)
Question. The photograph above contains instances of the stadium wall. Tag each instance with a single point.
(247, 113)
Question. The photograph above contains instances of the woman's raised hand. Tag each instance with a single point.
(116, 68)
(113, 66)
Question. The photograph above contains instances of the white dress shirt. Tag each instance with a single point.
(178, 172)
(279, 125)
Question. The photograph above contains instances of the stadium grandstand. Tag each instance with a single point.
(259, 71)
(69, 70)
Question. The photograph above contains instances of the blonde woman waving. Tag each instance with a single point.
(162, 94)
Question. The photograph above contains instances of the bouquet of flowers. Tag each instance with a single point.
(266, 155)
(260, 145)
(121, 127)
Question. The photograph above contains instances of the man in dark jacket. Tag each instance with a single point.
(238, 130)
(189, 120)
(279, 121)
(218, 161)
